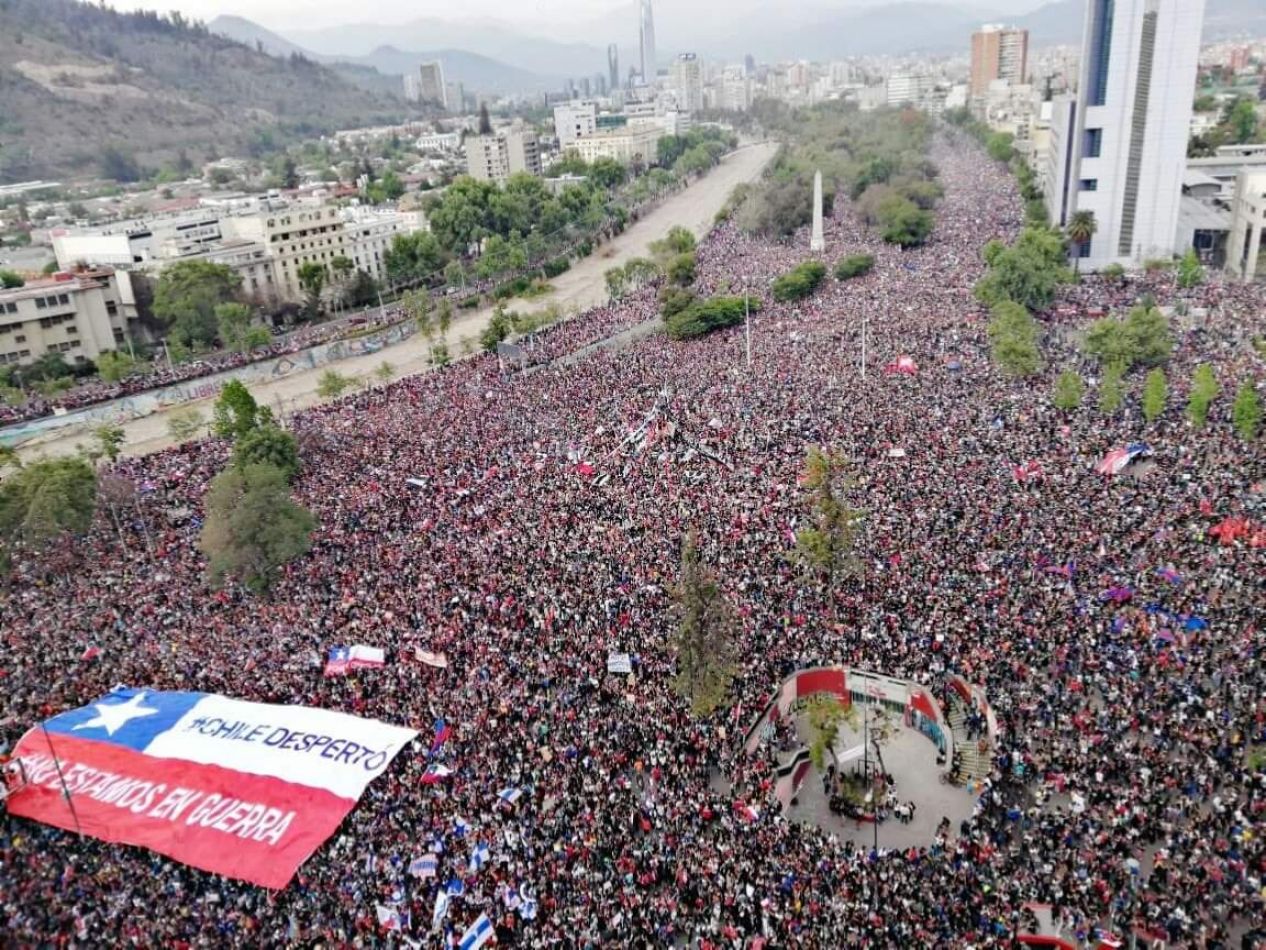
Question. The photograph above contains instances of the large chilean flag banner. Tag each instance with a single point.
(246, 790)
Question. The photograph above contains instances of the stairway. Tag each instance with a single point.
(974, 765)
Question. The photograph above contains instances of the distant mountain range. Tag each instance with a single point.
(822, 30)
(91, 91)
(383, 64)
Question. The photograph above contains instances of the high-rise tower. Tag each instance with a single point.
(1123, 142)
(649, 68)
(613, 66)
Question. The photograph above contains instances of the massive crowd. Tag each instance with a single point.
(537, 537)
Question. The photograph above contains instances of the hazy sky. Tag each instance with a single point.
(541, 16)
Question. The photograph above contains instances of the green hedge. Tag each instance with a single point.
(799, 283)
(704, 316)
(855, 265)
(555, 267)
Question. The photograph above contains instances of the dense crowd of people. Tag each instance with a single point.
(527, 524)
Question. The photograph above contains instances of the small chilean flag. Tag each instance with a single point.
(435, 773)
(442, 732)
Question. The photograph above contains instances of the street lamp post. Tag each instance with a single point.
(865, 324)
(747, 318)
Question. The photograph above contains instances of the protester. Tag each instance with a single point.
(537, 537)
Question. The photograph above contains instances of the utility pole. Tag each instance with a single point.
(747, 319)
(70, 802)
(865, 324)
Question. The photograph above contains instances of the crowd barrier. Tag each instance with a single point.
(915, 703)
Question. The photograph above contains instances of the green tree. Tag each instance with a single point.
(704, 642)
(252, 527)
(1155, 394)
(113, 366)
(455, 274)
(1150, 340)
(268, 445)
(681, 269)
(312, 279)
(186, 297)
(678, 240)
(826, 713)
(445, 318)
(43, 502)
(233, 323)
(799, 282)
(499, 328)
(1190, 270)
(1239, 121)
(9, 280)
(332, 384)
(1000, 146)
(236, 412)
(185, 425)
(1028, 272)
(1013, 337)
(904, 223)
(463, 215)
(414, 257)
(1246, 412)
(829, 548)
(617, 282)
(1111, 391)
(51, 365)
(1080, 230)
(855, 265)
(1204, 389)
(109, 439)
(1068, 391)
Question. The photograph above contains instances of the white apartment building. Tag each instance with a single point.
(1126, 154)
(905, 89)
(439, 142)
(1246, 251)
(630, 145)
(497, 157)
(79, 315)
(687, 82)
(265, 247)
(574, 120)
(136, 242)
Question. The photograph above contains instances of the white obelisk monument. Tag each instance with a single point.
(817, 242)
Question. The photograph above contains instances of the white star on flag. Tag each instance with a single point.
(114, 716)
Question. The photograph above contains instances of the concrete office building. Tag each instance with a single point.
(687, 81)
(431, 85)
(497, 157)
(998, 52)
(574, 120)
(78, 315)
(1125, 155)
(1246, 251)
(629, 145)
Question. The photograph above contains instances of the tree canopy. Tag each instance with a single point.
(44, 501)
(252, 527)
(187, 295)
(1028, 272)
